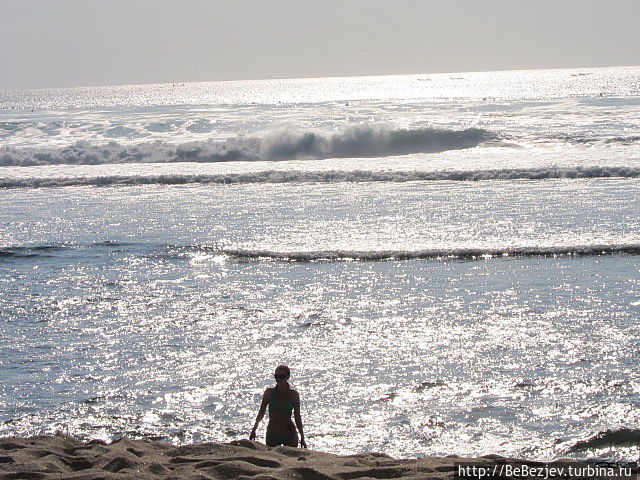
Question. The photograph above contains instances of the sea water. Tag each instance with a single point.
(448, 263)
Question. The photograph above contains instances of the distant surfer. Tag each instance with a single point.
(282, 401)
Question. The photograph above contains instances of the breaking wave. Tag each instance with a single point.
(444, 254)
(351, 143)
(624, 437)
(578, 139)
(242, 254)
(329, 176)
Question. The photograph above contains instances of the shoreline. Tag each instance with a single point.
(64, 457)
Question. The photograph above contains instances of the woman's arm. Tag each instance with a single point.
(298, 419)
(263, 408)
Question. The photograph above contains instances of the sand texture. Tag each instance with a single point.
(63, 457)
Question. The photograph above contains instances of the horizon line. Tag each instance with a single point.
(132, 84)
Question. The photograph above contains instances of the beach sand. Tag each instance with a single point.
(63, 457)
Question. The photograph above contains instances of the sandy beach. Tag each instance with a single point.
(63, 457)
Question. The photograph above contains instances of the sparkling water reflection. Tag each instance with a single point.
(521, 356)
(463, 279)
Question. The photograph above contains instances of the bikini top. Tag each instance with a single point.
(276, 407)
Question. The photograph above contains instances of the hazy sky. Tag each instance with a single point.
(48, 43)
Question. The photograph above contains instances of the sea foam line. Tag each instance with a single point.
(329, 176)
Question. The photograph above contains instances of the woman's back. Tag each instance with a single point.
(280, 405)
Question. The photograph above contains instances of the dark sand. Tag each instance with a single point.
(63, 457)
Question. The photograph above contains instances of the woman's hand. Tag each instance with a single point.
(303, 444)
(252, 435)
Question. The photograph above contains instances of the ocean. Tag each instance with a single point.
(449, 263)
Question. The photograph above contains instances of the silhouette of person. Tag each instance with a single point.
(281, 400)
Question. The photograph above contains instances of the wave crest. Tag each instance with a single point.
(351, 143)
(242, 254)
(623, 437)
(329, 176)
(426, 254)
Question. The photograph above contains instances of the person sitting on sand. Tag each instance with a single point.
(281, 401)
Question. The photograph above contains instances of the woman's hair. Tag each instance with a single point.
(286, 370)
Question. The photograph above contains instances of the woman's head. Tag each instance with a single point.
(282, 374)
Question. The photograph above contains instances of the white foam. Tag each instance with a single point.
(284, 145)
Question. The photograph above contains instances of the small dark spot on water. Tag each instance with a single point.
(170, 417)
(387, 396)
(93, 400)
(524, 385)
(425, 385)
(111, 243)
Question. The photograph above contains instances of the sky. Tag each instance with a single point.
(57, 43)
